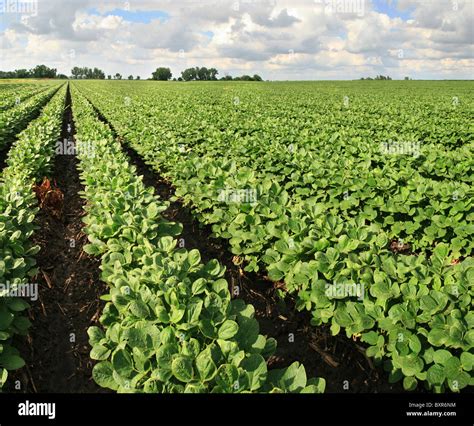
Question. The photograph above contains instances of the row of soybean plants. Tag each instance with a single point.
(28, 161)
(414, 312)
(16, 118)
(14, 94)
(169, 324)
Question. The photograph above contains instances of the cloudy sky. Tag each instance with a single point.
(278, 39)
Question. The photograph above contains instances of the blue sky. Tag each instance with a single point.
(389, 7)
(436, 42)
(141, 16)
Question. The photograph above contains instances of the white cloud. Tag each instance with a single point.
(275, 38)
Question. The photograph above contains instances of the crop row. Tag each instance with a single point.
(413, 311)
(15, 119)
(170, 324)
(28, 161)
(15, 95)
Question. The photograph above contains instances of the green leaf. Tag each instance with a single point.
(11, 362)
(315, 385)
(467, 361)
(410, 383)
(290, 379)
(95, 335)
(441, 356)
(194, 257)
(437, 336)
(256, 369)
(228, 378)
(102, 374)
(122, 363)
(139, 309)
(208, 329)
(93, 249)
(436, 375)
(100, 353)
(182, 369)
(411, 364)
(199, 286)
(228, 330)
(205, 365)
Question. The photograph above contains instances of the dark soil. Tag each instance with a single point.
(57, 349)
(336, 358)
(3, 158)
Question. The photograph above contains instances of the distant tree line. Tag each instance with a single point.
(379, 77)
(40, 71)
(161, 73)
(89, 73)
(199, 74)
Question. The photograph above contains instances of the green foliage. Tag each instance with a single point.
(28, 161)
(330, 199)
(162, 74)
(17, 115)
(170, 324)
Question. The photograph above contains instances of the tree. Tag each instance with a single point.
(202, 73)
(98, 74)
(22, 73)
(118, 76)
(85, 72)
(130, 77)
(213, 74)
(199, 73)
(138, 77)
(189, 74)
(256, 77)
(42, 71)
(162, 74)
(76, 72)
(407, 78)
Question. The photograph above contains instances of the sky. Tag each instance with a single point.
(277, 39)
